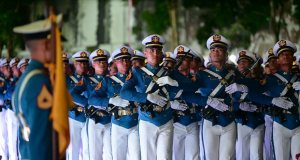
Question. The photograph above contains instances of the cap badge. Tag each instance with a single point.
(282, 43)
(254, 54)
(100, 52)
(124, 50)
(180, 49)
(216, 37)
(83, 54)
(155, 39)
(17, 59)
(8, 60)
(242, 53)
(134, 52)
(270, 51)
(167, 55)
(64, 55)
(26, 60)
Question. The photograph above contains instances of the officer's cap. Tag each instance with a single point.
(24, 62)
(154, 41)
(217, 41)
(81, 56)
(138, 55)
(99, 55)
(245, 54)
(38, 30)
(122, 52)
(5, 62)
(14, 62)
(181, 50)
(284, 45)
(169, 56)
(258, 56)
(199, 56)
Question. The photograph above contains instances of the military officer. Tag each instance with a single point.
(169, 59)
(155, 129)
(250, 118)
(186, 129)
(138, 59)
(77, 118)
(23, 64)
(4, 84)
(218, 128)
(197, 63)
(124, 129)
(283, 101)
(32, 98)
(113, 70)
(65, 58)
(99, 125)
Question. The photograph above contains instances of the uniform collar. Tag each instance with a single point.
(97, 76)
(281, 72)
(152, 68)
(215, 69)
(121, 76)
(77, 76)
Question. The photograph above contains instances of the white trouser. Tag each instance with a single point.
(286, 142)
(125, 143)
(219, 142)
(12, 137)
(201, 155)
(186, 141)
(3, 135)
(99, 140)
(249, 144)
(268, 136)
(156, 142)
(78, 142)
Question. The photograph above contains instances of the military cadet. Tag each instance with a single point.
(23, 64)
(283, 102)
(124, 129)
(250, 118)
(138, 59)
(155, 129)
(272, 61)
(186, 129)
(65, 58)
(32, 99)
(12, 121)
(196, 63)
(98, 126)
(218, 128)
(5, 82)
(113, 70)
(77, 118)
(169, 59)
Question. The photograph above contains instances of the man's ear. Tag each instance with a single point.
(115, 63)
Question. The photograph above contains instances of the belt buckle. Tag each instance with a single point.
(98, 113)
(158, 108)
(128, 112)
(154, 78)
(223, 81)
(80, 109)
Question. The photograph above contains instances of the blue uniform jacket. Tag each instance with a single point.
(135, 87)
(274, 86)
(207, 83)
(106, 90)
(36, 103)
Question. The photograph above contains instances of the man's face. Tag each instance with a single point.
(100, 66)
(267, 70)
(185, 64)
(195, 64)
(123, 65)
(138, 63)
(113, 70)
(218, 54)
(286, 58)
(65, 65)
(243, 64)
(154, 55)
(16, 71)
(81, 67)
(23, 68)
(273, 64)
(6, 71)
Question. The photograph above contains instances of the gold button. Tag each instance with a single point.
(143, 73)
(178, 116)
(192, 118)
(229, 116)
(135, 119)
(297, 121)
(118, 119)
(112, 82)
(285, 119)
(146, 85)
(121, 75)
(174, 93)
(78, 76)
(98, 76)
(246, 119)
(259, 119)
(212, 89)
(208, 76)
(217, 116)
(165, 115)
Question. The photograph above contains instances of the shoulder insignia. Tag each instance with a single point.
(129, 76)
(263, 81)
(98, 86)
(194, 78)
(44, 99)
(2, 84)
(80, 83)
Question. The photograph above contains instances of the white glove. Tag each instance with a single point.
(296, 86)
(247, 106)
(282, 102)
(1, 102)
(117, 101)
(178, 106)
(157, 99)
(236, 87)
(217, 104)
(167, 80)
